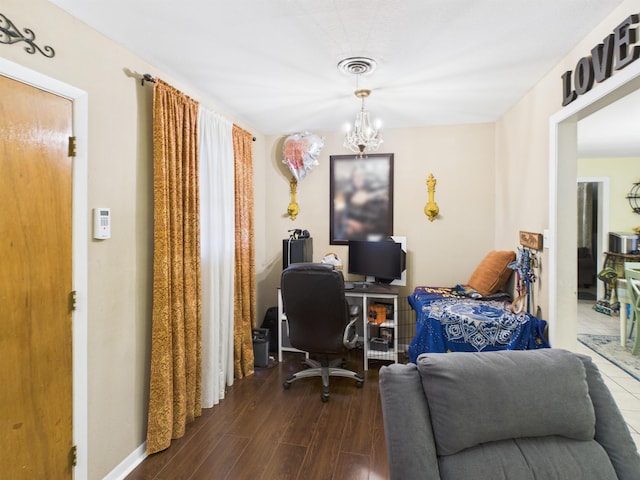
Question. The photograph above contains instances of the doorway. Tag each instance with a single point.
(35, 282)
(563, 200)
(587, 239)
(79, 246)
(593, 225)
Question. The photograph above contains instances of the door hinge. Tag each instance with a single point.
(73, 300)
(73, 455)
(72, 146)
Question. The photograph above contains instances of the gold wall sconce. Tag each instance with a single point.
(431, 209)
(293, 209)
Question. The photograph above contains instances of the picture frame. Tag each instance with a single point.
(361, 197)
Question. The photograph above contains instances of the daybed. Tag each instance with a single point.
(476, 316)
(504, 415)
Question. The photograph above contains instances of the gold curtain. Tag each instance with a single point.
(176, 344)
(245, 278)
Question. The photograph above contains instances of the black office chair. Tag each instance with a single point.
(320, 321)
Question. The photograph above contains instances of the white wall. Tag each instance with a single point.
(493, 180)
(524, 179)
(119, 165)
(622, 173)
(443, 252)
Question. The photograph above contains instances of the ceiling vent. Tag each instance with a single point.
(357, 65)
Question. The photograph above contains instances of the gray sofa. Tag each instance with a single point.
(512, 415)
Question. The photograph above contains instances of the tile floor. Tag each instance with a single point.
(625, 388)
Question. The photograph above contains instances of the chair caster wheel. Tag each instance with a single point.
(325, 394)
(359, 383)
(286, 385)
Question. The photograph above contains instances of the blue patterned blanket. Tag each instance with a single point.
(450, 322)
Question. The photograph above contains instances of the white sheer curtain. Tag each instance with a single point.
(217, 246)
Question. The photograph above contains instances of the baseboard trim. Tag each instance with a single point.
(134, 459)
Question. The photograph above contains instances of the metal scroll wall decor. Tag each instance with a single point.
(10, 34)
(634, 198)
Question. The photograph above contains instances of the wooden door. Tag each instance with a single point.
(35, 283)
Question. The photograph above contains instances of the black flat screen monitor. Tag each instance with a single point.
(380, 261)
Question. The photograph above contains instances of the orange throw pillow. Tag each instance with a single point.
(493, 272)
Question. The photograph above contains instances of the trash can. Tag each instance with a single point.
(260, 347)
(270, 322)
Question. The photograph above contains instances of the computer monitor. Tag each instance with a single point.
(380, 261)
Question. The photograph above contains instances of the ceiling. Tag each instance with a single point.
(272, 64)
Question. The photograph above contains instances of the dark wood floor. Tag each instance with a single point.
(261, 431)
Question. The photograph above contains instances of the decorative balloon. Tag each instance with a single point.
(301, 152)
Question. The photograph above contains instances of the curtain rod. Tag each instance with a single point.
(147, 77)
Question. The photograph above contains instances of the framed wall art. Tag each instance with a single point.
(361, 196)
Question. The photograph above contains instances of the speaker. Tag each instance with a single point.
(296, 251)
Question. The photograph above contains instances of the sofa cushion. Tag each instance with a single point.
(482, 397)
(493, 272)
(550, 458)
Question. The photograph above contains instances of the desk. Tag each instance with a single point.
(609, 305)
(616, 262)
(364, 295)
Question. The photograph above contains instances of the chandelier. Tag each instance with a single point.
(362, 137)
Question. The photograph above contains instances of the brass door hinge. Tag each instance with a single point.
(72, 146)
(73, 300)
(73, 455)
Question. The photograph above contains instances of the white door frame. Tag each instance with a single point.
(79, 246)
(563, 207)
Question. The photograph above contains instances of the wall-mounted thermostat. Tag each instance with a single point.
(101, 223)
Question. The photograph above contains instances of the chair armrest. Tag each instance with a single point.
(411, 449)
(612, 431)
(350, 337)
